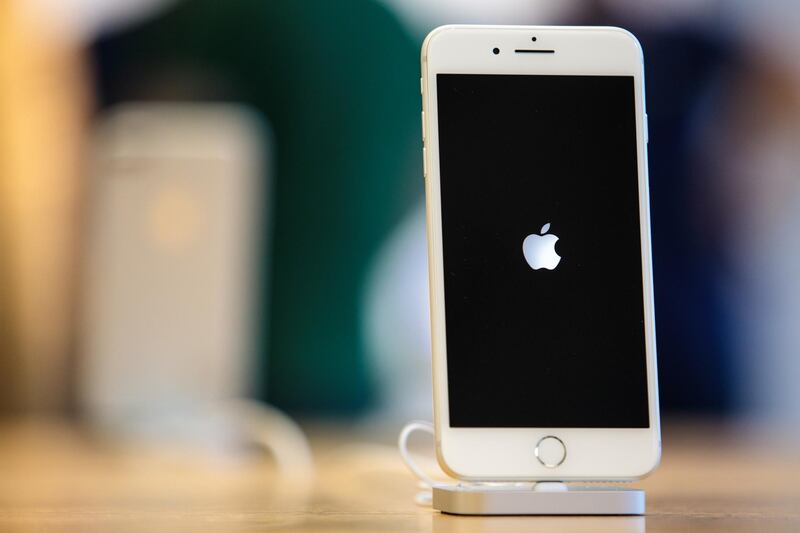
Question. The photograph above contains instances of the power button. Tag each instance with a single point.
(424, 162)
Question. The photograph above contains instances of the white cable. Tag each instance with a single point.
(274, 431)
(425, 497)
(402, 445)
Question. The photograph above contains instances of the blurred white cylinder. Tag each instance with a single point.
(169, 278)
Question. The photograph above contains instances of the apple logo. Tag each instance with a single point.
(540, 250)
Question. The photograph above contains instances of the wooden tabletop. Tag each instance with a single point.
(54, 476)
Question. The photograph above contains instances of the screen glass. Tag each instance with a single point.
(542, 251)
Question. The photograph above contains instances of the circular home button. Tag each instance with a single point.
(550, 451)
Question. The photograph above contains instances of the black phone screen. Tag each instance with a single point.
(542, 251)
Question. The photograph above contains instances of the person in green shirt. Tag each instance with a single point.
(338, 84)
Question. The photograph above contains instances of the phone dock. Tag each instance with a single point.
(543, 498)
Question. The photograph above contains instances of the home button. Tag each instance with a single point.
(550, 451)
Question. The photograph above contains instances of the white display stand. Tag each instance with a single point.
(544, 498)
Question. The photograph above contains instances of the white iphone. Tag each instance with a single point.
(544, 358)
(170, 265)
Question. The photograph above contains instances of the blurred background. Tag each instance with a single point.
(205, 200)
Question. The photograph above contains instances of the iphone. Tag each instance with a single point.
(535, 163)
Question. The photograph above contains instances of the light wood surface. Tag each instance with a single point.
(55, 477)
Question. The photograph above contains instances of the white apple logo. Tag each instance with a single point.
(540, 250)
